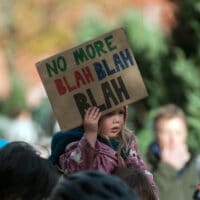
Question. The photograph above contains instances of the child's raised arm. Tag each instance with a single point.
(90, 123)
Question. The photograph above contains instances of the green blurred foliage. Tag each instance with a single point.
(16, 101)
(86, 30)
(186, 43)
(145, 38)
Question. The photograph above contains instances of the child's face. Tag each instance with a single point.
(112, 123)
(171, 132)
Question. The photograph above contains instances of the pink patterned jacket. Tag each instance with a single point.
(80, 155)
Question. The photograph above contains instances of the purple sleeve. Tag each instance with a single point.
(134, 160)
(81, 155)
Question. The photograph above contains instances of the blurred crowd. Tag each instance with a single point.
(29, 171)
(33, 124)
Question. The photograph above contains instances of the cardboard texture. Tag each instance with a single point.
(101, 72)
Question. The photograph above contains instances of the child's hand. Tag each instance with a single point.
(90, 123)
(91, 120)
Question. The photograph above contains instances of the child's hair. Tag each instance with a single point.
(137, 180)
(168, 111)
(124, 133)
(24, 174)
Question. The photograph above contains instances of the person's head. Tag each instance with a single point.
(170, 126)
(24, 174)
(87, 185)
(111, 125)
(137, 180)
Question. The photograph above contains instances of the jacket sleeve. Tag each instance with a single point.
(61, 139)
(134, 160)
(81, 155)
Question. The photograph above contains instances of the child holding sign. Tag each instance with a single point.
(105, 145)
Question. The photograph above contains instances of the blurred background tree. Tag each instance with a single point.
(174, 74)
(185, 45)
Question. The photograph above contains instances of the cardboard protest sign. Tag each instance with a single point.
(101, 72)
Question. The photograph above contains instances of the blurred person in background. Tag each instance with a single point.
(22, 127)
(174, 165)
